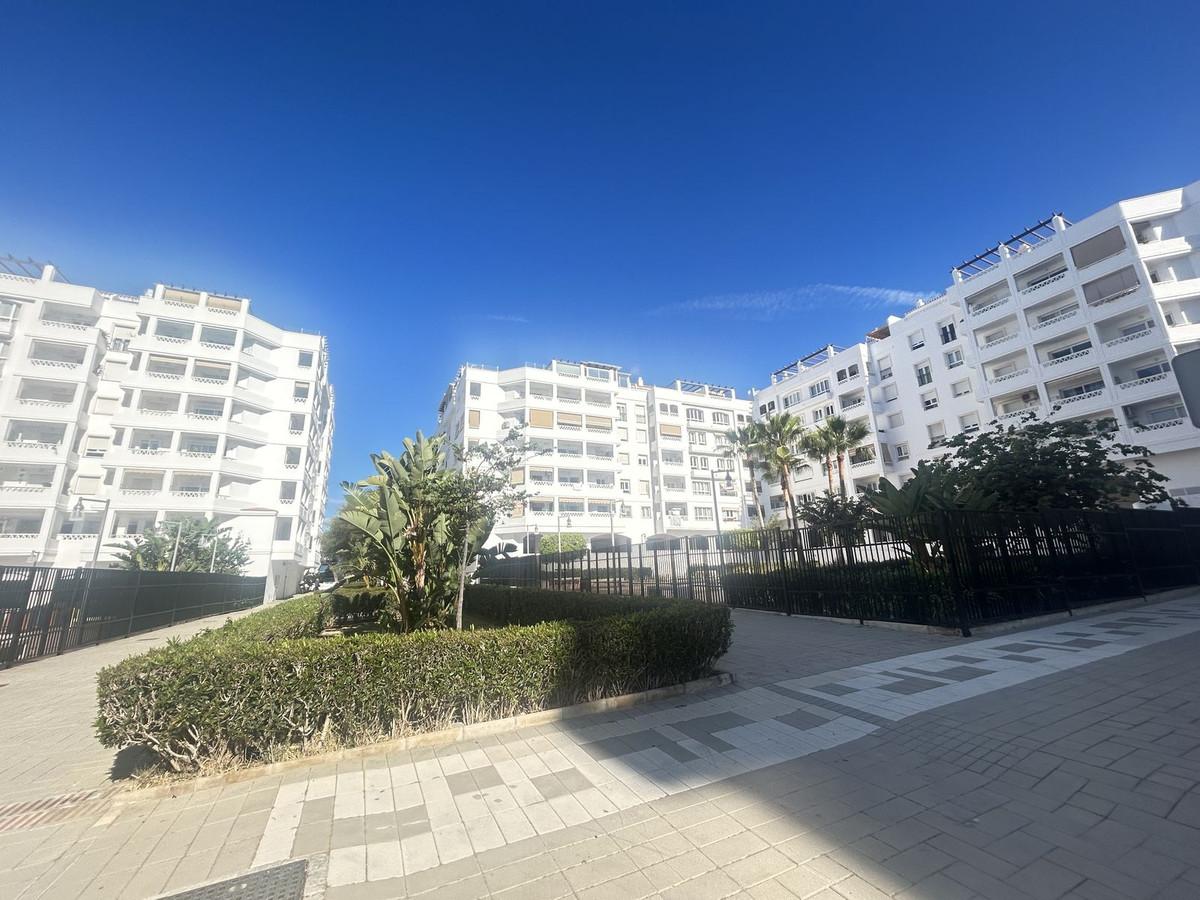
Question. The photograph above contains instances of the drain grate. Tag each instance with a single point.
(285, 882)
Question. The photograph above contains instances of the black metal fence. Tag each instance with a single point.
(952, 569)
(46, 611)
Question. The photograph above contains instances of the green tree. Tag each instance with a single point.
(838, 519)
(838, 437)
(745, 443)
(482, 495)
(570, 542)
(403, 512)
(814, 446)
(1039, 464)
(782, 435)
(195, 545)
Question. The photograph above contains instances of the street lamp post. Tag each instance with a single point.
(77, 513)
(712, 477)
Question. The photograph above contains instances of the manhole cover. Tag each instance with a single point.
(285, 882)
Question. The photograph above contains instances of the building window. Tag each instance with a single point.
(969, 422)
(924, 374)
(720, 418)
(819, 389)
(291, 456)
(472, 418)
(300, 390)
(297, 423)
(643, 460)
(702, 487)
(283, 529)
(895, 420)
(704, 513)
(902, 451)
(954, 359)
(699, 462)
(698, 438)
(929, 400)
(961, 388)
(641, 435)
(885, 368)
(916, 340)
(791, 399)
(937, 434)
(890, 392)
(668, 409)
(647, 512)
(305, 359)
(695, 415)
(626, 486)
(947, 332)
(287, 490)
(473, 389)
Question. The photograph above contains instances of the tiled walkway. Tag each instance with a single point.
(1059, 761)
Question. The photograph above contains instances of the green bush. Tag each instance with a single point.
(570, 543)
(216, 699)
(303, 616)
(353, 605)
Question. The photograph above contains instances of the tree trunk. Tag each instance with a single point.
(789, 500)
(841, 467)
(762, 522)
(829, 471)
(462, 581)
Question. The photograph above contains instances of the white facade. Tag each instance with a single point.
(1075, 321)
(176, 404)
(612, 456)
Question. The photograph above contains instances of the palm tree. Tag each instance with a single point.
(745, 443)
(816, 447)
(780, 438)
(840, 437)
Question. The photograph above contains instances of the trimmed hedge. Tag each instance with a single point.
(299, 617)
(216, 699)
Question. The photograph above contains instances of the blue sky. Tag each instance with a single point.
(692, 190)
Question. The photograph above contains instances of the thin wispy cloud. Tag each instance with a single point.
(769, 305)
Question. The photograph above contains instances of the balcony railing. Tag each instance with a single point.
(1061, 317)
(1070, 357)
(1013, 414)
(859, 463)
(998, 341)
(1078, 398)
(43, 404)
(983, 310)
(40, 446)
(1161, 426)
(55, 363)
(1010, 376)
(853, 404)
(1139, 382)
(1129, 338)
(18, 535)
(67, 326)
(1038, 285)
(1111, 297)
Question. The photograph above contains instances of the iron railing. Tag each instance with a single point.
(45, 611)
(952, 569)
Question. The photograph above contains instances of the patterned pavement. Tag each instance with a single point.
(388, 822)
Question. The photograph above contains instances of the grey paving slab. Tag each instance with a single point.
(928, 772)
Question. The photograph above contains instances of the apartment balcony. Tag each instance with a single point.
(1081, 404)
(259, 359)
(1059, 323)
(1146, 388)
(999, 345)
(253, 432)
(858, 403)
(1117, 301)
(1038, 286)
(1130, 344)
(26, 494)
(17, 449)
(1176, 290)
(1010, 380)
(990, 310)
(65, 329)
(863, 462)
(1072, 362)
(1164, 248)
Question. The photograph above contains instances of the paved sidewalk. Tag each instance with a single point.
(48, 747)
(1055, 762)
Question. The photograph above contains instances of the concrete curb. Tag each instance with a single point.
(426, 739)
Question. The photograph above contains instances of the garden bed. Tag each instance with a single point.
(268, 686)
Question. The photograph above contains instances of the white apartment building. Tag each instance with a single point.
(1073, 320)
(611, 456)
(119, 412)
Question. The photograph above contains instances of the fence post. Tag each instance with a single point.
(641, 569)
(783, 573)
(687, 561)
(949, 540)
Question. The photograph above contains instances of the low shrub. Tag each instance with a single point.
(235, 699)
(349, 606)
(303, 616)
